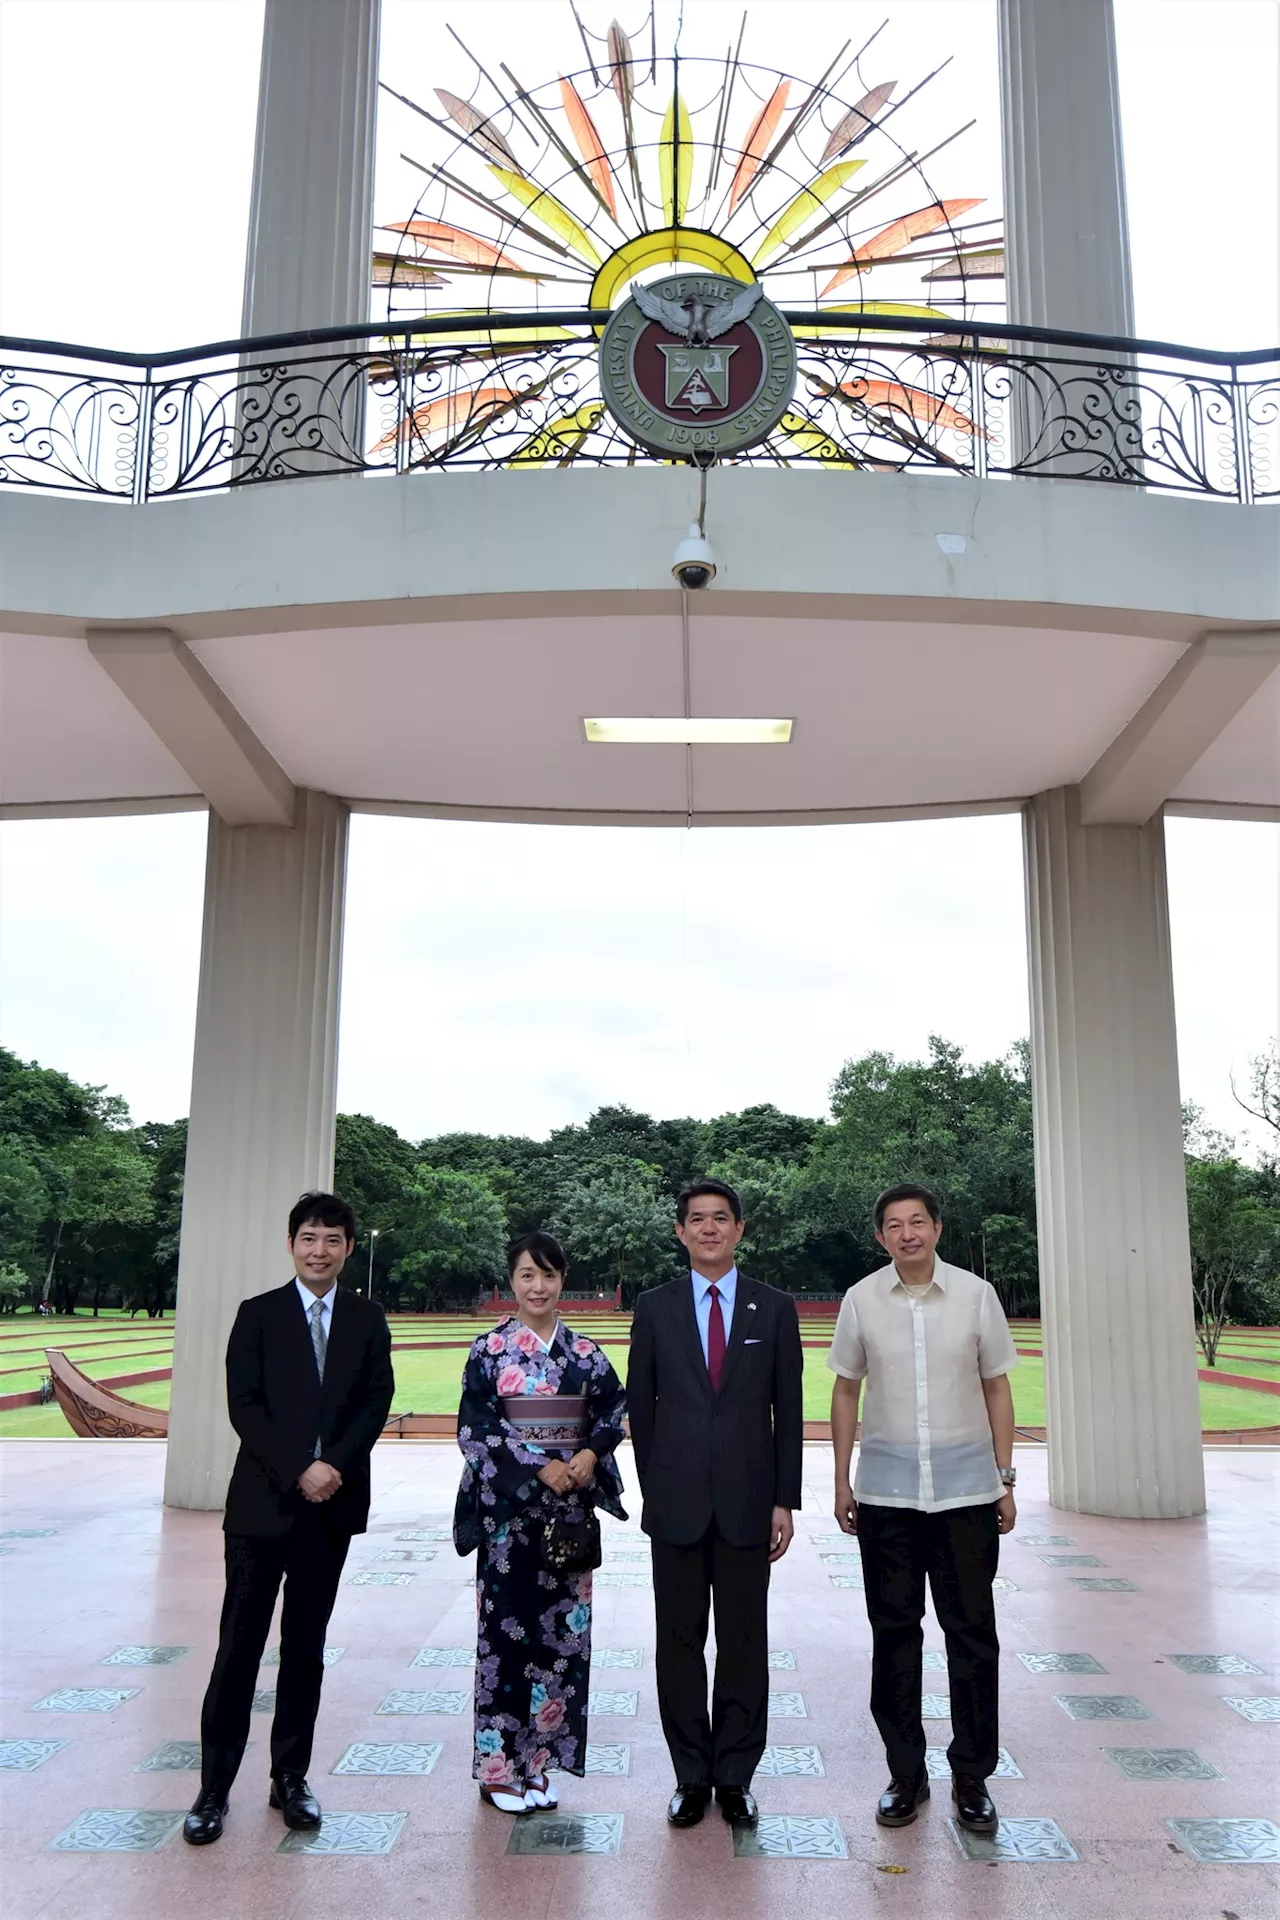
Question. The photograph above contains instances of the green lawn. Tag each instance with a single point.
(428, 1382)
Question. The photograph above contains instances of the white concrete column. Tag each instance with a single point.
(263, 1095)
(1115, 1267)
(1066, 221)
(311, 215)
(308, 260)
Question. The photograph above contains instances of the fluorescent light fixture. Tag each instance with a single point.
(672, 732)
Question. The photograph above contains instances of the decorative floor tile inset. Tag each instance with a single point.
(782, 1660)
(1071, 1560)
(616, 1657)
(29, 1533)
(1105, 1586)
(348, 1833)
(777, 1761)
(1254, 1707)
(1037, 1841)
(1254, 1841)
(443, 1657)
(611, 1703)
(421, 1534)
(402, 1700)
(419, 1554)
(938, 1766)
(560, 1833)
(1061, 1663)
(845, 1579)
(1214, 1663)
(1044, 1540)
(627, 1553)
(840, 1559)
(1160, 1763)
(401, 1756)
(117, 1830)
(85, 1700)
(174, 1756)
(146, 1656)
(935, 1706)
(332, 1655)
(24, 1756)
(377, 1580)
(618, 1580)
(787, 1706)
(787, 1836)
(264, 1700)
(1001, 1585)
(607, 1759)
(1102, 1706)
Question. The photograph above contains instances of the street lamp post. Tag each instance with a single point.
(373, 1235)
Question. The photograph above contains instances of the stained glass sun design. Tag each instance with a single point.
(835, 193)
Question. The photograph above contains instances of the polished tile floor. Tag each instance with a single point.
(110, 1607)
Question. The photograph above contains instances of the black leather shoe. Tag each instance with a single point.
(295, 1800)
(688, 1804)
(975, 1808)
(737, 1806)
(900, 1801)
(203, 1824)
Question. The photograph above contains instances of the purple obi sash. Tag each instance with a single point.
(547, 1420)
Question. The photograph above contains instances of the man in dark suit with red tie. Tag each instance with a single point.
(309, 1387)
(716, 1405)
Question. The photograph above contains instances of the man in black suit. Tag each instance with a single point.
(716, 1403)
(309, 1387)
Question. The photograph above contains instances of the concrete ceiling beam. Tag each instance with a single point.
(187, 710)
(1212, 681)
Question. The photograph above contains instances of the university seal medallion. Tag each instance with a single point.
(697, 364)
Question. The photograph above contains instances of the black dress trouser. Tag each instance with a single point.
(959, 1552)
(309, 1559)
(724, 1749)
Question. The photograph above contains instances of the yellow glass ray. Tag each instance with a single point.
(675, 160)
(903, 311)
(809, 438)
(545, 207)
(809, 201)
(558, 437)
(668, 246)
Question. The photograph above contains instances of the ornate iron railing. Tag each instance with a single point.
(521, 391)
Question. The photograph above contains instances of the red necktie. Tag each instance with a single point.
(715, 1340)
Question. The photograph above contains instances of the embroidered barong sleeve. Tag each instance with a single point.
(996, 1351)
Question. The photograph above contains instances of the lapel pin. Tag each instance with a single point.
(751, 1306)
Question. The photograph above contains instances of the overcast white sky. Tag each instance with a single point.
(712, 970)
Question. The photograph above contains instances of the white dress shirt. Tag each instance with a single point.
(926, 1438)
(702, 1304)
(326, 1300)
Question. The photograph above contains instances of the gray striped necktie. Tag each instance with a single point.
(319, 1344)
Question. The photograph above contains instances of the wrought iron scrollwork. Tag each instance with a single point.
(523, 391)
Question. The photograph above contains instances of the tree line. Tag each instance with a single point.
(90, 1205)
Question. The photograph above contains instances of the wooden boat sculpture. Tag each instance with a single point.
(94, 1412)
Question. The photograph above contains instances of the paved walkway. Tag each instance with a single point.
(1130, 1749)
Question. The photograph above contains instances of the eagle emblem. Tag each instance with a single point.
(696, 320)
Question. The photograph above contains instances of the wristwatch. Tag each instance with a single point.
(1009, 1476)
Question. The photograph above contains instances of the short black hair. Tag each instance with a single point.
(891, 1196)
(695, 1191)
(543, 1249)
(322, 1210)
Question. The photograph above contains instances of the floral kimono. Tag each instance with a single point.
(533, 1632)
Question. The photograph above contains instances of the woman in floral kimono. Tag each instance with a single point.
(532, 1377)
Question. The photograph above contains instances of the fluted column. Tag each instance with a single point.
(311, 214)
(308, 260)
(1066, 220)
(1115, 1268)
(263, 1095)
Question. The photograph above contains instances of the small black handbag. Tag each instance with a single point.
(571, 1541)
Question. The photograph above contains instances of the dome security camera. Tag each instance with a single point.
(694, 565)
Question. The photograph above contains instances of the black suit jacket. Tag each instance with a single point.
(279, 1407)
(730, 1457)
